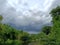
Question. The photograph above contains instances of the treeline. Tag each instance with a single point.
(50, 35)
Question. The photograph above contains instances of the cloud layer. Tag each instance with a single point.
(29, 15)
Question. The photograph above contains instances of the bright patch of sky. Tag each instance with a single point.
(24, 5)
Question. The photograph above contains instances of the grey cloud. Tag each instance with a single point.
(32, 21)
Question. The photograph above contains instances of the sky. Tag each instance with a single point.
(28, 15)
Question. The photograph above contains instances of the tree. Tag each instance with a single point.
(46, 30)
(56, 11)
(55, 33)
(25, 39)
(0, 21)
(1, 18)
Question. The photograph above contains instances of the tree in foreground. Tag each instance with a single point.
(46, 30)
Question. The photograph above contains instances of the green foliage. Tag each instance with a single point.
(46, 29)
(55, 11)
(25, 39)
(11, 36)
(1, 17)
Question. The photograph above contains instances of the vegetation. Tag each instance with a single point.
(11, 36)
(50, 35)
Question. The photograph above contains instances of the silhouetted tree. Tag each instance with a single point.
(25, 39)
(47, 29)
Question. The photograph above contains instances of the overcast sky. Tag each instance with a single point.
(29, 15)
